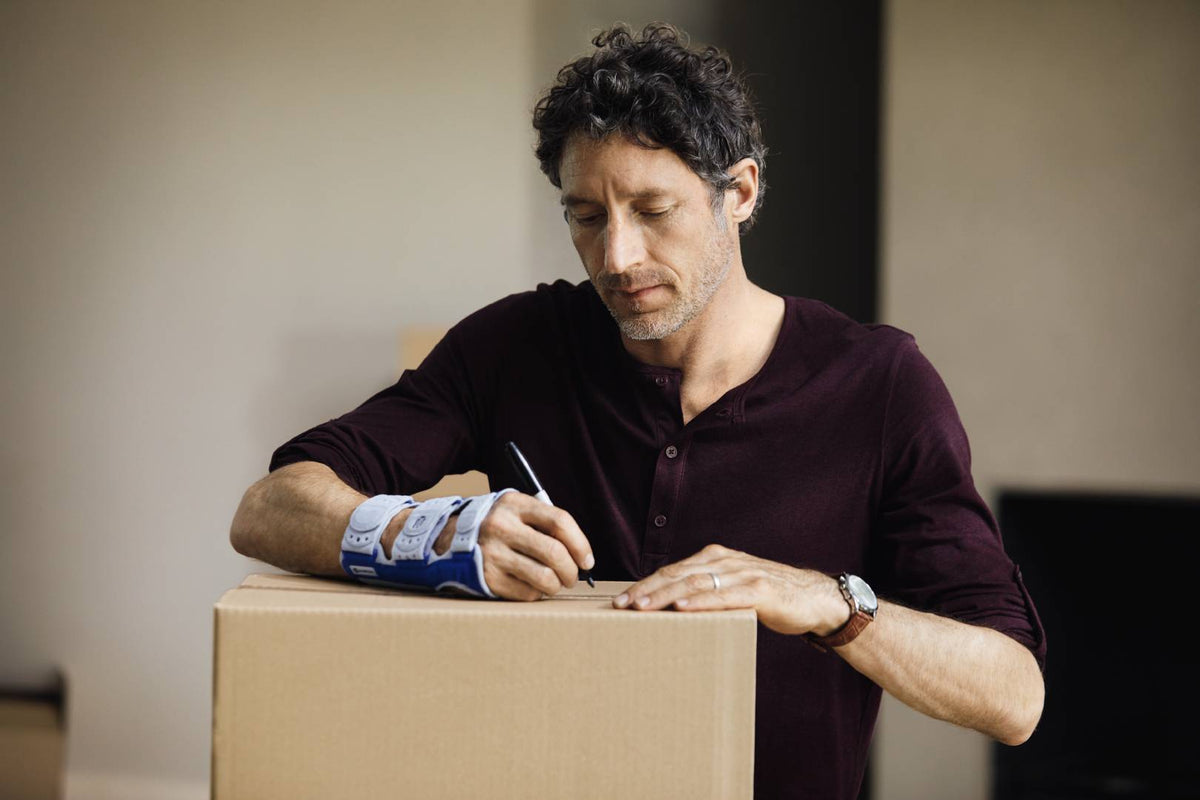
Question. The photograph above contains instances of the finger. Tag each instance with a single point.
(544, 550)
(720, 561)
(689, 585)
(742, 595)
(525, 569)
(700, 579)
(556, 522)
(507, 587)
(651, 583)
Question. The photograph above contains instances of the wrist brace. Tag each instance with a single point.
(367, 524)
(412, 563)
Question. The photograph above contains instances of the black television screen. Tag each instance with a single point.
(1113, 581)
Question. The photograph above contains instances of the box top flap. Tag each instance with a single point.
(261, 591)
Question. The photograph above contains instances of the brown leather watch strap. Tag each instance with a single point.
(846, 634)
(859, 618)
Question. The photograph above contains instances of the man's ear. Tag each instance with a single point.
(743, 193)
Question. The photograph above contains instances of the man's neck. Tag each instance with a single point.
(727, 343)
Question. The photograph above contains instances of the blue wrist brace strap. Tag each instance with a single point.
(413, 564)
(367, 524)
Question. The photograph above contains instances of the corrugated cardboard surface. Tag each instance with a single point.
(326, 689)
(31, 750)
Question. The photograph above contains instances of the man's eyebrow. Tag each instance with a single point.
(571, 200)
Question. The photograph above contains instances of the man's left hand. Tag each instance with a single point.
(787, 599)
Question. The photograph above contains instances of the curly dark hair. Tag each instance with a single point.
(658, 92)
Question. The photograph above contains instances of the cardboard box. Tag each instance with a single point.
(32, 742)
(326, 689)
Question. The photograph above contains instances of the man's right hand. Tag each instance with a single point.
(530, 549)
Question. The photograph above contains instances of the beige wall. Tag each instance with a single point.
(216, 217)
(214, 220)
(1042, 240)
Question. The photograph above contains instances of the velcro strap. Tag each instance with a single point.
(421, 529)
(466, 533)
(370, 519)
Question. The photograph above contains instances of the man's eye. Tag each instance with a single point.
(654, 214)
(585, 219)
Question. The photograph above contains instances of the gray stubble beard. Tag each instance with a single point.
(661, 324)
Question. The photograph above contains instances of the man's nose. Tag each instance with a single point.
(623, 246)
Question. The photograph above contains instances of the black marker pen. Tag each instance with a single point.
(525, 472)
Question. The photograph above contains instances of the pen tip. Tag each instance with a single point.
(590, 581)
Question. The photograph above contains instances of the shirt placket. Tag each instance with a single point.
(668, 475)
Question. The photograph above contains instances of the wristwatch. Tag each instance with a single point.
(863, 605)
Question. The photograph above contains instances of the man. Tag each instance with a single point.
(722, 446)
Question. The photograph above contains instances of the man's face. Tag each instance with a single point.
(644, 227)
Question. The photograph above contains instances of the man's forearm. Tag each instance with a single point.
(969, 675)
(294, 519)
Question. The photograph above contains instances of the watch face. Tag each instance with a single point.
(862, 593)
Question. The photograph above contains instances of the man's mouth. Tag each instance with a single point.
(637, 293)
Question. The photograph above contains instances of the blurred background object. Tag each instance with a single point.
(215, 218)
(1118, 720)
(33, 737)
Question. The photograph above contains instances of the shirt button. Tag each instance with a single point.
(660, 521)
(672, 451)
(661, 380)
(724, 412)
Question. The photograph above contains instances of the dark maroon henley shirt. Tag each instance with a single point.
(843, 454)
